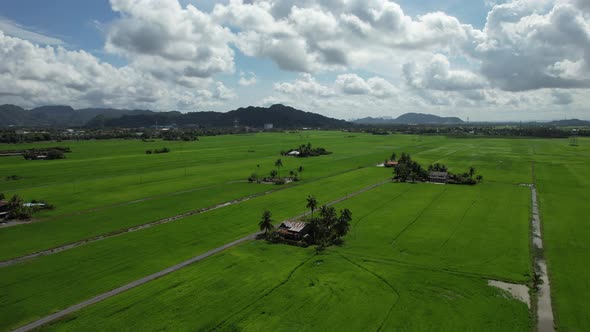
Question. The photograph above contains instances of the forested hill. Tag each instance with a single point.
(280, 116)
(411, 118)
(56, 116)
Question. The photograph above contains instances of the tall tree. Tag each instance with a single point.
(342, 225)
(393, 156)
(312, 204)
(265, 223)
(471, 171)
(278, 165)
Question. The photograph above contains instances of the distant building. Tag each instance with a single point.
(438, 177)
(293, 230)
(3, 209)
(391, 164)
(294, 153)
(268, 126)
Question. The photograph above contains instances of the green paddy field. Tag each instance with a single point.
(418, 256)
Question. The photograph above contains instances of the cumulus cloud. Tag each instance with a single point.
(167, 40)
(32, 75)
(352, 84)
(308, 36)
(305, 85)
(528, 46)
(438, 75)
(247, 79)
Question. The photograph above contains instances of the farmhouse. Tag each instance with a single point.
(3, 209)
(391, 163)
(438, 177)
(293, 230)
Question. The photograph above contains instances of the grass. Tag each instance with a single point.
(418, 256)
(563, 188)
(363, 285)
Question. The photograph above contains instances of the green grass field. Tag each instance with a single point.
(418, 256)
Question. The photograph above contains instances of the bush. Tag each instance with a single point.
(253, 177)
(55, 154)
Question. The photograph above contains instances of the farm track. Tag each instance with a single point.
(144, 199)
(76, 244)
(60, 314)
(545, 317)
(136, 228)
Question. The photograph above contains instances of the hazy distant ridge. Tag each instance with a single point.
(411, 118)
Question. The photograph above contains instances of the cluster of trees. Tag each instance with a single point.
(306, 150)
(162, 150)
(47, 154)
(468, 177)
(326, 228)
(275, 175)
(12, 177)
(408, 170)
(180, 135)
(18, 211)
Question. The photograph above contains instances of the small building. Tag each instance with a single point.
(3, 209)
(438, 177)
(391, 163)
(294, 153)
(293, 230)
(268, 126)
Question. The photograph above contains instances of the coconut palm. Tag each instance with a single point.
(342, 223)
(266, 222)
(278, 165)
(312, 204)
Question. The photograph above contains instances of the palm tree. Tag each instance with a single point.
(278, 165)
(266, 222)
(471, 171)
(312, 204)
(342, 225)
(393, 156)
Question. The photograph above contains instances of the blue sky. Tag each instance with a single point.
(341, 58)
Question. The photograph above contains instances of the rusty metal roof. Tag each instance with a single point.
(293, 226)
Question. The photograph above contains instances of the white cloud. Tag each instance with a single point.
(167, 40)
(31, 75)
(305, 85)
(247, 79)
(536, 44)
(14, 29)
(437, 75)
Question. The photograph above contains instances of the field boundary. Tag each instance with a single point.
(72, 245)
(60, 314)
(174, 193)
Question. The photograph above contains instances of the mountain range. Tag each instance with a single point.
(280, 116)
(411, 118)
